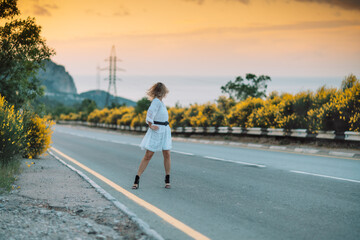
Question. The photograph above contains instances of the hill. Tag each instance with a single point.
(60, 87)
(56, 79)
(99, 96)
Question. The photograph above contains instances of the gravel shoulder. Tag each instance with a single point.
(50, 201)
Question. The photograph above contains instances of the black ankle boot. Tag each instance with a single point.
(167, 181)
(136, 182)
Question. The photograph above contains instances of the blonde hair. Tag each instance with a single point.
(158, 90)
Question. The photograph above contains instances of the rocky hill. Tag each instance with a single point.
(56, 79)
(60, 87)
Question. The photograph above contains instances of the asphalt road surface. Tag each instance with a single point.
(226, 192)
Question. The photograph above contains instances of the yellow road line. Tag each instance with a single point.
(171, 220)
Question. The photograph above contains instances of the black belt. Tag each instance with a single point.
(161, 123)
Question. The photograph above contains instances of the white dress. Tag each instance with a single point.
(160, 139)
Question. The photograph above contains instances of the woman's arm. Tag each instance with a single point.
(151, 113)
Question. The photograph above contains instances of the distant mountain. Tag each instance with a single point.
(99, 96)
(60, 87)
(56, 79)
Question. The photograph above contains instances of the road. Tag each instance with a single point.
(226, 192)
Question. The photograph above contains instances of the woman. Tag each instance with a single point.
(158, 136)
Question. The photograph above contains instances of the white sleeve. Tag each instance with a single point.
(153, 109)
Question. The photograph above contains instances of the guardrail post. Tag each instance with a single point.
(326, 135)
(211, 130)
(352, 136)
(199, 130)
(223, 130)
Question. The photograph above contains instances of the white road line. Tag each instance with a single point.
(233, 161)
(325, 176)
(185, 153)
(255, 145)
(342, 154)
(214, 158)
(250, 164)
(278, 147)
(306, 150)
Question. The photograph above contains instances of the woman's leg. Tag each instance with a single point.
(144, 162)
(167, 161)
(167, 165)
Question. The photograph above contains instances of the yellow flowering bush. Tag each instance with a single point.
(293, 110)
(189, 114)
(75, 116)
(12, 133)
(176, 115)
(99, 116)
(115, 114)
(325, 109)
(127, 118)
(316, 115)
(225, 104)
(81, 116)
(341, 113)
(264, 117)
(205, 115)
(239, 114)
(139, 120)
(38, 137)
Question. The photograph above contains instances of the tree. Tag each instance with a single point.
(142, 105)
(349, 82)
(87, 106)
(22, 51)
(225, 104)
(253, 87)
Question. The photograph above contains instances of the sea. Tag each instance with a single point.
(188, 90)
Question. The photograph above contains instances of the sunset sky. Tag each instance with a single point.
(279, 38)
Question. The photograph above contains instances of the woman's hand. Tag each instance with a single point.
(153, 127)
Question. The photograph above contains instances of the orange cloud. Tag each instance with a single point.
(202, 1)
(121, 11)
(346, 4)
(43, 10)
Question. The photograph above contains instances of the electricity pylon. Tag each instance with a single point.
(112, 74)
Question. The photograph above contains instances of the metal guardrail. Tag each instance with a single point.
(277, 132)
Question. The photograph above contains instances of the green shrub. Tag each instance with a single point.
(7, 175)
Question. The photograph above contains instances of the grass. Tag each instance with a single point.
(7, 175)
